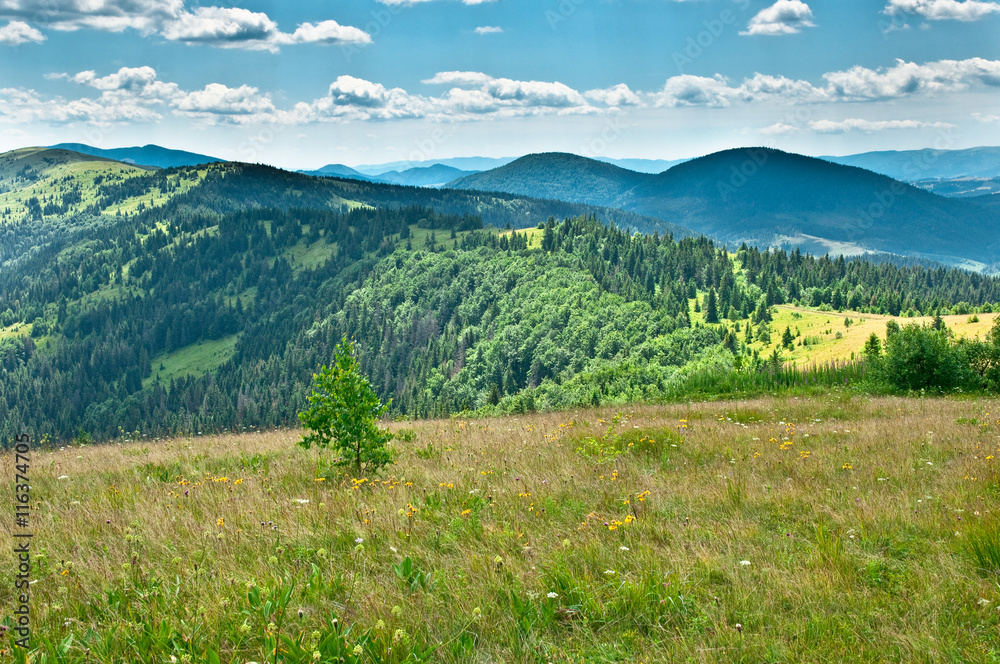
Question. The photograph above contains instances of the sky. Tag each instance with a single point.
(301, 84)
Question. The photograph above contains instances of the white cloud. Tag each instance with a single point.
(458, 78)
(23, 106)
(688, 90)
(779, 129)
(908, 78)
(869, 126)
(618, 95)
(939, 10)
(110, 15)
(488, 30)
(984, 117)
(225, 27)
(222, 26)
(19, 32)
(325, 32)
(217, 102)
(784, 17)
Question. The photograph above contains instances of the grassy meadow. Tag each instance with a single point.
(828, 529)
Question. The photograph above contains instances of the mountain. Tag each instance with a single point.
(147, 155)
(643, 165)
(963, 187)
(461, 163)
(560, 176)
(928, 164)
(425, 176)
(768, 198)
(341, 171)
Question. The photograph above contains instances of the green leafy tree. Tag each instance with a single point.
(920, 357)
(344, 412)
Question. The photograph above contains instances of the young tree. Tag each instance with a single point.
(787, 340)
(344, 412)
(711, 307)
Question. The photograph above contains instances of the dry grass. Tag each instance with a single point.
(852, 514)
(824, 326)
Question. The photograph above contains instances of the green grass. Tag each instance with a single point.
(195, 359)
(825, 529)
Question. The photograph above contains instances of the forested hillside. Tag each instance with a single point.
(211, 309)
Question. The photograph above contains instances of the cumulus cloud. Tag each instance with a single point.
(216, 101)
(24, 106)
(784, 17)
(688, 90)
(940, 10)
(618, 95)
(985, 117)
(138, 93)
(112, 15)
(488, 30)
(907, 78)
(225, 27)
(19, 32)
(325, 32)
(869, 126)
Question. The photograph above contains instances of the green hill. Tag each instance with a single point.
(202, 299)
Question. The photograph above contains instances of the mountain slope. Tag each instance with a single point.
(910, 165)
(147, 155)
(766, 197)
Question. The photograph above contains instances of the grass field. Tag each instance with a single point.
(195, 359)
(833, 529)
(823, 327)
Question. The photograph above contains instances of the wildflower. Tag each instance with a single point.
(316, 655)
(380, 624)
(745, 563)
(358, 650)
(609, 572)
(396, 610)
(623, 548)
(552, 595)
(272, 560)
(220, 521)
(359, 540)
(477, 612)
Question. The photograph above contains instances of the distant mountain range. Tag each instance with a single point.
(955, 173)
(147, 155)
(436, 175)
(768, 198)
(919, 165)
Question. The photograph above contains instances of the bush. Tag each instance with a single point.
(344, 411)
(919, 357)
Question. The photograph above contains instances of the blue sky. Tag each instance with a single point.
(302, 84)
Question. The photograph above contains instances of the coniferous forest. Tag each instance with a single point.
(450, 313)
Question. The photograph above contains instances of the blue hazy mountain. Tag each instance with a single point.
(928, 164)
(147, 155)
(768, 198)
